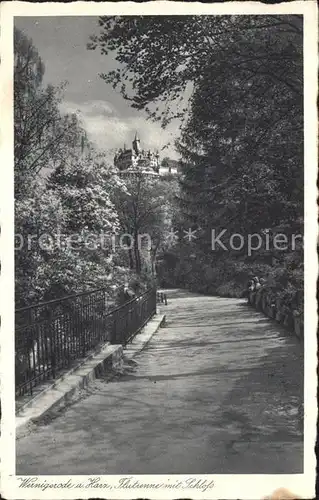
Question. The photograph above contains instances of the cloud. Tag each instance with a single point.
(109, 131)
(88, 108)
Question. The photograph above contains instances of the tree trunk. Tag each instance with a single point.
(137, 254)
(130, 258)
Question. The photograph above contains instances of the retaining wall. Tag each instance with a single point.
(291, 319)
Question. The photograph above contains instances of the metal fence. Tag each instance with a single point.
(50, 336)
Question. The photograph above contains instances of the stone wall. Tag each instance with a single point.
(291, 319)
(117, 358)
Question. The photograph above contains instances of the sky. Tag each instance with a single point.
(107, 117)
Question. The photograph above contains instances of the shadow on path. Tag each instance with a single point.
(219, 389)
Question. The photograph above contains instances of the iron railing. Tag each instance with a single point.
(51, 336)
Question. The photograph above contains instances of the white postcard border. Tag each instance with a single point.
(225, 486)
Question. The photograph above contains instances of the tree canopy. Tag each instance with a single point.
(160, 55)
(70, 204)
(236, 84)
(43, 137)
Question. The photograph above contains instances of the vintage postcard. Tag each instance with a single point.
(158, 250)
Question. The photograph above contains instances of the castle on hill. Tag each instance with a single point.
(137, 160)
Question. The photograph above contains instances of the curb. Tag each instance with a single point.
(59, 394)
(143, 338)
(63, 377)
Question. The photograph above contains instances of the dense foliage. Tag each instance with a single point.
(145, 212)
(237, 82)
(71, 208)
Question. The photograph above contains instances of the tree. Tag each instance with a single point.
(42, 136)
(241, 142)
(84, 188)
(37, 217)
(244, 114)
(143, 209)
(159, 56)
(64, 218)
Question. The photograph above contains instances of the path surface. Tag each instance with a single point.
(217, 390)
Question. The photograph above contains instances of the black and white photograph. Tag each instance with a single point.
(164, 336)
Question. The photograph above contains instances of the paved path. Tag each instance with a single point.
(217, 390)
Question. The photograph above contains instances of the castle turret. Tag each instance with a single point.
(136, 144)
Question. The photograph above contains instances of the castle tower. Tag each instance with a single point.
(136, 145)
